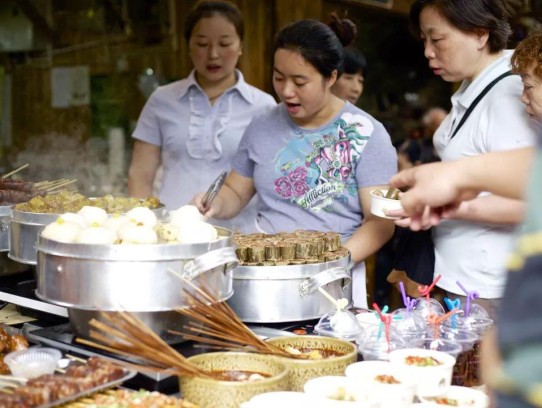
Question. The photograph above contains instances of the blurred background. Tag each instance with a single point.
(74, 74)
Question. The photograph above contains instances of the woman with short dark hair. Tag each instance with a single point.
(314, 158)
(192, 127)
(465, 40)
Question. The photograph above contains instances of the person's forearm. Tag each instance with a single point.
(502, 173)
(139, 186)
(491, 209)
(231, 203)
(369, 238)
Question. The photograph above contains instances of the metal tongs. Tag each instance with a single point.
(213, 190)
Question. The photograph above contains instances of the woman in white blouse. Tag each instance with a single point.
(193, 127)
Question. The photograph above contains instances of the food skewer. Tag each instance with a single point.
(11, 173)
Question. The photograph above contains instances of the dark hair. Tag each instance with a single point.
(468, 16)
(316, 42)
(528, 54)
(206, 9)
(354, 61)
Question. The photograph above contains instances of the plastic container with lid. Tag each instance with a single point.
(33, 362)
(374, 345)
(341, 324)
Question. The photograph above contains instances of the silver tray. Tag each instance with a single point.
(128, 374)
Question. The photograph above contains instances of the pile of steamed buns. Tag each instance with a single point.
(92, 225)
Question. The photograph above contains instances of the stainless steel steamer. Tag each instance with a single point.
(268, 294)
(26, 228)
(89, 279)
(5, 224)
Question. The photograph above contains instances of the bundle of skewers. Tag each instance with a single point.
(14, 191)
(212, 323)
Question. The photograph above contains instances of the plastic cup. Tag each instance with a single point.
(374, 345)
(478, 325)
(450, 347)
(411, 326)
(466, 340)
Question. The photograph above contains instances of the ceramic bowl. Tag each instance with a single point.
(338, 391)
(427, 380)
(383, 395)
(207, 392)
(460, 397)
(280, 399)
(302, 370)
(380, 204)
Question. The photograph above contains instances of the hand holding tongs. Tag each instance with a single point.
(213, 190)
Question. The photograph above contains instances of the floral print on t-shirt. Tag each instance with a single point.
(316, 169)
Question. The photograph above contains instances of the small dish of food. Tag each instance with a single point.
(338, 391)
(383, 201)
(391, 389)
(324, 356)
(455, 396)
(429, 370)
(280, 399)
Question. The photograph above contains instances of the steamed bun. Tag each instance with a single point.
(62, 231)
(195, 232)
(137, 234)
(142, 215)
(96, 235)
(185, 215)
(93, 215)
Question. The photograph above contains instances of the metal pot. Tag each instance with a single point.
(5, 223)
(136, 278)
(269, 294)
(26, 228)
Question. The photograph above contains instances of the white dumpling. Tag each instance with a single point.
(115, 221)
(139, 234)
(62, 231)
(142, 215)
(96, 235)
(185, 214)
(194, 232)
(168, 232)
(93, 215)
(73, 217)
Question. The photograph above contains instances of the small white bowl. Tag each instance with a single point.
(280, 399)
(429, 380)
(465, 396)
(329, 387)
(380, 205)
(32, 362)
(384, 395)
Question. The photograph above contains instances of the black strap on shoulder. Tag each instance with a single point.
(478, 99)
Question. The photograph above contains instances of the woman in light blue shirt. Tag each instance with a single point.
(193, 126)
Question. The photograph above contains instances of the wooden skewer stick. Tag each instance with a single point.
(11, 173)
(74, 358)
(64, 184)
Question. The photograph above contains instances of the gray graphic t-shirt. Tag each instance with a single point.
(309, 178)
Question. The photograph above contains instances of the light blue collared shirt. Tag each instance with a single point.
(198, 140)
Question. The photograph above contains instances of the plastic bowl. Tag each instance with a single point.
(33, 362)
(380, 205)
(429, 380)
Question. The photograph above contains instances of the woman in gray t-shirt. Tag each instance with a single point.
(313, 159)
